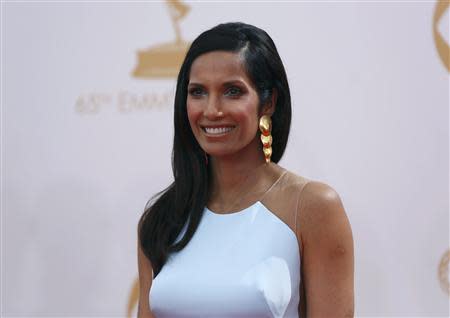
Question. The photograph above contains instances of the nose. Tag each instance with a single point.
(213, 107)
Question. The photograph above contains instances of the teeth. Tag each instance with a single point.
(217, 131)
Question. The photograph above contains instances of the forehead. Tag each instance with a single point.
(218, 66)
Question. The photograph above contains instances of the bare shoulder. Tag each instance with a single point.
(324, 227)
(317, 206)
(328, 260)
(321, 199)
(294, 180)
(321, 209)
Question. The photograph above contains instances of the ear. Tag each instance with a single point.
(269, 107)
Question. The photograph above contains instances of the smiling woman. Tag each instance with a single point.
(219, 86)
(235, 234)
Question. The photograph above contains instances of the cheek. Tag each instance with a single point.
(193, 113)
(248, 116)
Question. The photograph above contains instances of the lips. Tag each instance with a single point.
(217, 130)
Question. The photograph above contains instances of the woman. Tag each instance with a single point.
(236, 235)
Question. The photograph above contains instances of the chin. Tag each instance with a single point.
(219, 151)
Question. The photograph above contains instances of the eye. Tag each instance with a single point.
(233, 91)
(196, 92)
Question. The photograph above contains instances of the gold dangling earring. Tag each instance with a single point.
(265, 125)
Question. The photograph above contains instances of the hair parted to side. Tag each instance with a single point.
(183, 202)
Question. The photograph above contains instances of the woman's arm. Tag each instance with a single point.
(328, 260)
(145, 283)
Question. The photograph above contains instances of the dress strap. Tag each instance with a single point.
(273, 185)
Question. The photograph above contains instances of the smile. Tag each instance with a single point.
(217, 130)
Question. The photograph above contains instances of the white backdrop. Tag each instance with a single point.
(85, 143)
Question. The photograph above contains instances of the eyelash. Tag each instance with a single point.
(239, 91)
(194, 91)
(197, 92)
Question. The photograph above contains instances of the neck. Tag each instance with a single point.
(232, 174)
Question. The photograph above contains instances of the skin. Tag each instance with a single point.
(220, 94)
(327, 253)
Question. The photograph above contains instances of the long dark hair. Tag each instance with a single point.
(183, 202)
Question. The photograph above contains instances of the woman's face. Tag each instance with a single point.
(222, 104)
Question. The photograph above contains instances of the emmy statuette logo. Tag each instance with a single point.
(133, 297)
(164, 60)
(442, 46)
(159, 61)
(443, 50)
(443, 272)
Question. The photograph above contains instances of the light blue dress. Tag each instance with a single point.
(242, 264)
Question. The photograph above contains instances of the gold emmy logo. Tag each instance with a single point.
(133, 298)
(441, 45)
(164, 60)
(443, 272)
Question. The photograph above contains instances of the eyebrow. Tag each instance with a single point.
(226, 84)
